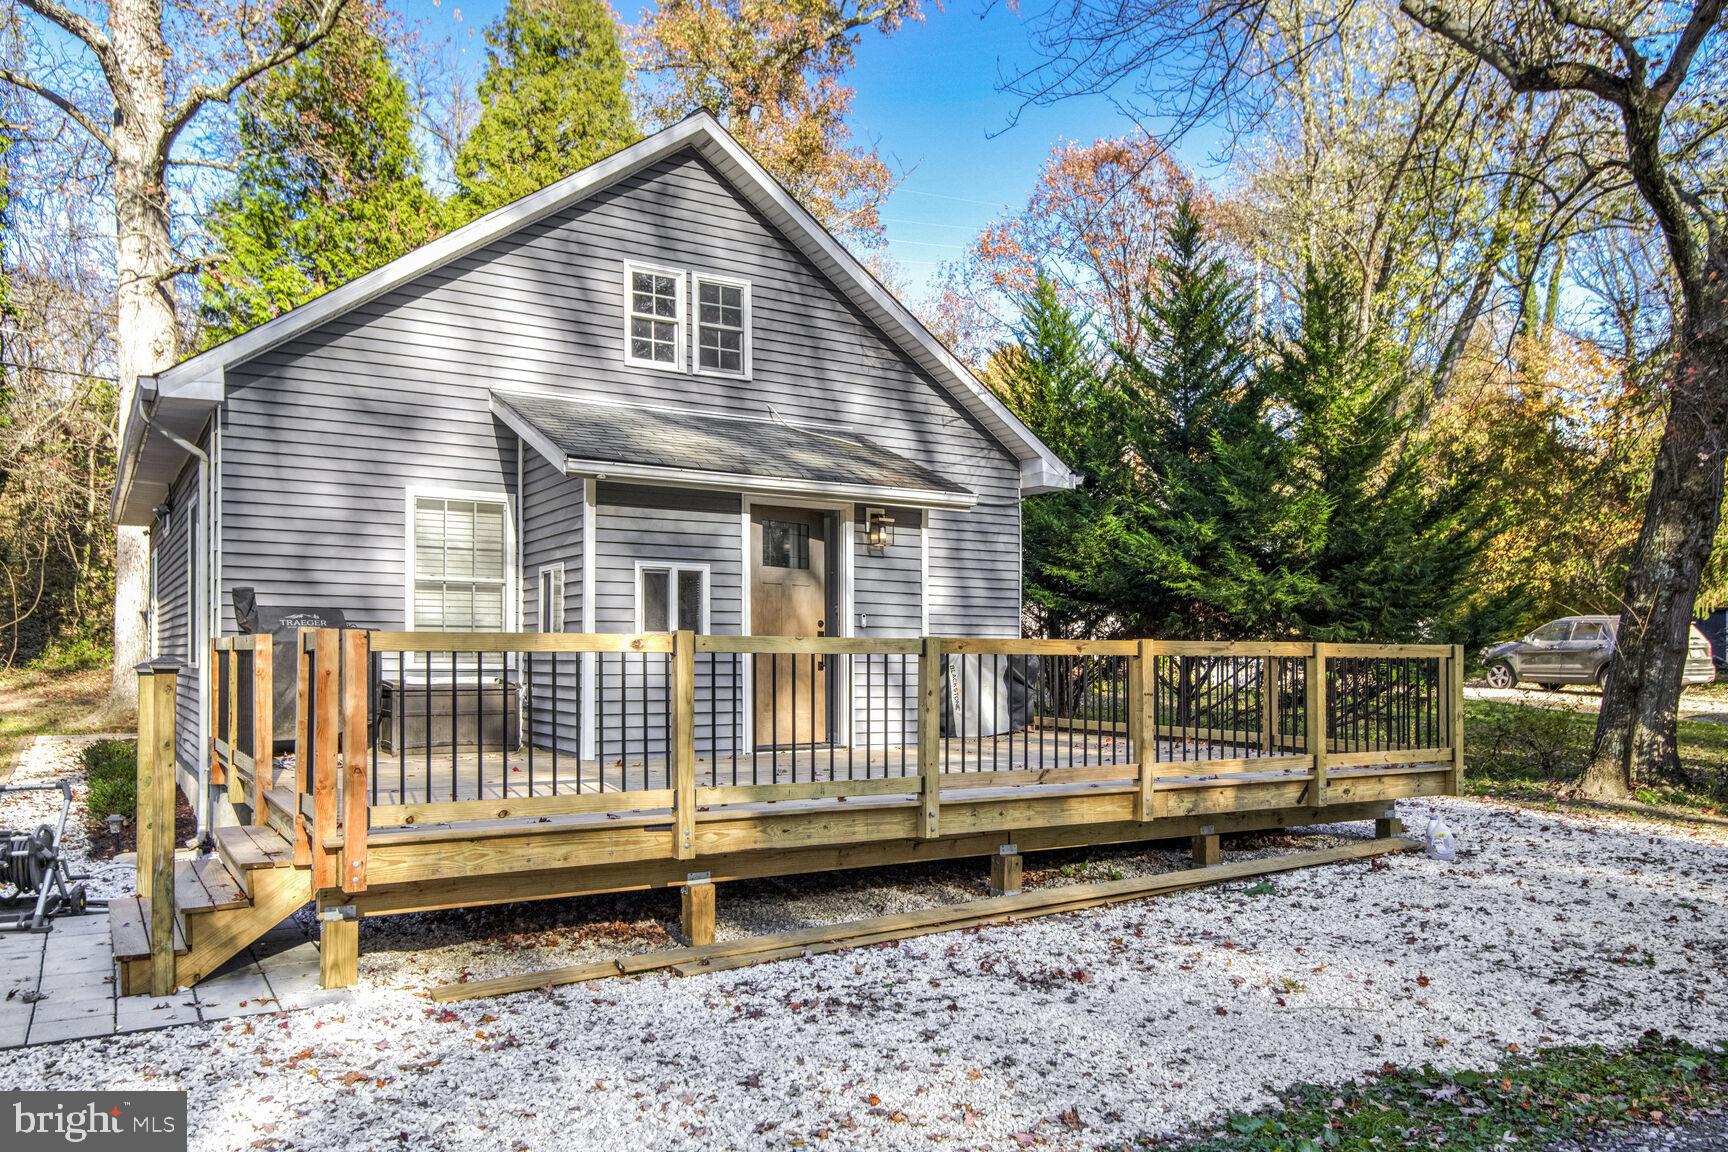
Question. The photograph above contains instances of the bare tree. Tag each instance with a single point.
(132, 77)
(1661, 69)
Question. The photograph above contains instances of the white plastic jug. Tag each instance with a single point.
(1441, 844)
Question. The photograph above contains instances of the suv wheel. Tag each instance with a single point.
(1500, 675)
(1550, 686)
(1602, 676)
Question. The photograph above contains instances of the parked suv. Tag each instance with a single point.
(1575, 650)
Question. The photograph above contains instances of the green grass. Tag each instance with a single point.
(1527, 753)
(34, 702)
(1538, 1099)
(112, 769)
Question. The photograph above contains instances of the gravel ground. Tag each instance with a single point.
(1069, 1032)
(1699, 1134)
(47, 760)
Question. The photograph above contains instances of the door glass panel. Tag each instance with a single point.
(785, 544)
(1591, 630)
(655, 599)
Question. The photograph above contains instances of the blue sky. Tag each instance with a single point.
(927, 97)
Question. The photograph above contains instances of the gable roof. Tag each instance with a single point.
(171, 408)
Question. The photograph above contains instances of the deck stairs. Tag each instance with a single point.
(222, 903)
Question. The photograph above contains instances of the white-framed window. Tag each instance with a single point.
(722, 326)
(458, 562)
(552, 598)
(653, 317)
(671, 596)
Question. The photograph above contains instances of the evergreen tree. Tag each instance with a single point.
(552, 101)
(1051, 378)
(1203, 529)
(1398, 545)
(329, 184)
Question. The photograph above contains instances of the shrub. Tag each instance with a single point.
(111, 767)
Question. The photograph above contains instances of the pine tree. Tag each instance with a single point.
(552, 101)
(329, 183)
(1398, 543)
(1051, 378)
(1203, 532)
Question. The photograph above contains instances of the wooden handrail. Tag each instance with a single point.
(493, 642)
(356, 756)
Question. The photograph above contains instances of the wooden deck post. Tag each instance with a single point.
(215, 717)
(356, 755)
(1206, 850)
(1007, 870)
(326, 732)
(303, 641)
(1317, 734)
(1456, 694)
(696, 911)
(1388, 826)
(1142, 673)
(338, 941)
(263, 724)
(930, 738)
(684, 752)
(158, 689)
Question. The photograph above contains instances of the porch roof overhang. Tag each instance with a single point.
(690, 448)
(161, 426)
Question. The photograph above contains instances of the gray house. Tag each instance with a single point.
(656, 394)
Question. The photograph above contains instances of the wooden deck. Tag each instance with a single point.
(1213, 742)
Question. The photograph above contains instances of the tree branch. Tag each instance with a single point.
(1567, 12)
(1704, 17)
(222, 91)
(1542, 76)
(71, 110)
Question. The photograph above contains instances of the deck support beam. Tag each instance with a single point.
(696, 912)
(1206, 849)
(338, 941)
(1006, 871)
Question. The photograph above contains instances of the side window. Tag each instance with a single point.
(1552, 633)
(1593, 631)
(552, 598)
(192, 575)
(654, 316)
(670, 597)
(722, 326)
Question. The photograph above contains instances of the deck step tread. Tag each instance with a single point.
(224, 890)
(129, 925)
(247, 847)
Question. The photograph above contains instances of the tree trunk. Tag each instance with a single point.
(1635, 730)
(147, 332)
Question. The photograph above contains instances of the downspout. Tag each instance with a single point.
(206, 517)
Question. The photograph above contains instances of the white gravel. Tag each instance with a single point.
(1070, 1032)
(48, 760)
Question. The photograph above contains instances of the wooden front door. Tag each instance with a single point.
(789, 597)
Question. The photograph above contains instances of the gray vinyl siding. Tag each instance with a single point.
(886, 602)
(323, 434)
(646, 524)
(552, 513)
(171, 543)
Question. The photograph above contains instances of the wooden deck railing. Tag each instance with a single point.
(417, 728)
(242, 718)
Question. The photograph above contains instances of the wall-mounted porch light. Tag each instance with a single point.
(878, 528)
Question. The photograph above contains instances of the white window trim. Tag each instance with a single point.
(674, 567)
(194, 596)
(556, 571)
(492, 496)
(701, 278)
(681, 338)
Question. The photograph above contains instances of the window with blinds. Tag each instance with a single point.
(459, 565)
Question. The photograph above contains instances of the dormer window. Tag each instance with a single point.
(722, 326)
(654, 312)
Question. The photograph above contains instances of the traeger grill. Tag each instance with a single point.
(284, 626)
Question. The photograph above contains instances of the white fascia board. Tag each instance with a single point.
(530, 435)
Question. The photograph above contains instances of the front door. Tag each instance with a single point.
(789, 597)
